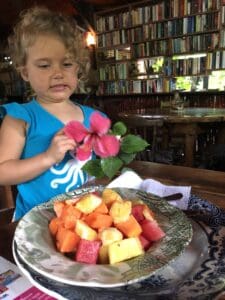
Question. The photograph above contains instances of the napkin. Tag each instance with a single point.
(130, 179)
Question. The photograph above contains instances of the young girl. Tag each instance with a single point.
(48, 50)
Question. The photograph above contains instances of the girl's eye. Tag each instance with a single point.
(68, 64)
(43, 66)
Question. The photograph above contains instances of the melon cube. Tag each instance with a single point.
(145, 243)
(69, 216)
(137, 212)
(54, 225)
(58, 208)
(69, 241)
(148, 213)
(87, 251)
(125, 249)
(151, 230)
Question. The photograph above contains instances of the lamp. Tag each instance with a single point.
(90, 39)
(91, 42)
(93, 76)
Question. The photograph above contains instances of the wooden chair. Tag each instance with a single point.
(7, 203)
(6, 215)
(7, 192)
(7, 196)
(148, 129)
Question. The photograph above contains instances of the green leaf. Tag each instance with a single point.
(127, 157)
(93, 168)
(133, 143)
(111, 166)
(119, 128)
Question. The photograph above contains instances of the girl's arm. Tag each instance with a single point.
(14, 170)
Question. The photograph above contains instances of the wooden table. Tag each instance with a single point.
(205, 183)
(188, 122)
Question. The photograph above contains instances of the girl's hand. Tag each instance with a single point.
(60, 144)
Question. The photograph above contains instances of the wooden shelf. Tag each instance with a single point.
(144, 28)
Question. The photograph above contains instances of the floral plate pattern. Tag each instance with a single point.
(202, 281)
(36, 248)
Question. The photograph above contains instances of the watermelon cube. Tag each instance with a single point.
(137, 212)
(151, 230)
(144, 242)
(87, 251)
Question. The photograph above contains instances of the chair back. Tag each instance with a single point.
(148, 129)
(6, 215)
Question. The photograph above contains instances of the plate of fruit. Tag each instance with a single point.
(101, 237)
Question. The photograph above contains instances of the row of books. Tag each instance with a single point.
(169, 67)
(223, 15)
(176, 27)
(123, 87)
(161, 47)
(186, 44)
(156, 12)
(155, 32)
(222, 38)
(109, 39)
(191, 66)
(171, 9)
(187, 25)
(195, 43)
(216, 60)
(114, 72)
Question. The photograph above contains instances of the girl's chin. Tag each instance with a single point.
(60, 95)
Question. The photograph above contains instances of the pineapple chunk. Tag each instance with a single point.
(103, 255)
(88, 203)
(110, 235)
(125, 249)
(109, 196)
(84, 231)
(120, 211)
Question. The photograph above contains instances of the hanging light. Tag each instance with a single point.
(90, 39)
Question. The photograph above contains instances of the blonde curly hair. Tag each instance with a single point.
(40, 20)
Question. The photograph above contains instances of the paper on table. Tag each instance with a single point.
(13, 285)
(130, 179)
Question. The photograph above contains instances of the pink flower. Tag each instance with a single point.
(96, 139)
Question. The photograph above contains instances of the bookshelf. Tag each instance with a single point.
(143, 47)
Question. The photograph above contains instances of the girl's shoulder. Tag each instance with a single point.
(19, 111)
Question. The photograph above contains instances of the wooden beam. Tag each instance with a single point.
(85, 12)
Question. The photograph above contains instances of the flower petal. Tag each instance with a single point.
(76, 131)
(107, 145)
(83, 152)
(99, 124)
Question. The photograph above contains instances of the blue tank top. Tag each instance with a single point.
(60, 178)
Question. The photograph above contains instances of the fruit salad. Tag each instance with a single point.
(103, 228)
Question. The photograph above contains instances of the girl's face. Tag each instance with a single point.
(50, 70)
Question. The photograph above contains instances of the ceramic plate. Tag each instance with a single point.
(199, 273)
(35, 245)
(162, 282)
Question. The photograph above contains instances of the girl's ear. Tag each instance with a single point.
(24, 73)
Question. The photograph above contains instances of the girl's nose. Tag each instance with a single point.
(57, 72)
